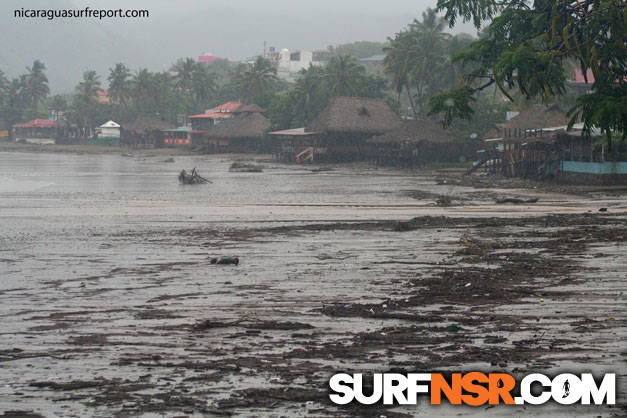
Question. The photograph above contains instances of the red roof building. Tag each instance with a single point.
(210, 116)
(37, 131)
(203, 121)
(37, 123)
(223, 111)
(227, 107)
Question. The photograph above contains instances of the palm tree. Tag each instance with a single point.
(344, 76)
(36, 84)
(4, 88)
(203, 85)
(257, 79)
(416, 59)
(142, 88)
(58, 102)
(161, 87)
(183, 70)
(4, 95)
(311, 94)
(84, 103)
(434, 61)
(455, 45)
(119, 85)
(89, 87)
(398, 63)
(431, 23)
(15, 100)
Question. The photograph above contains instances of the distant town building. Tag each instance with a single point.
(207, 58)
(374, 59)
(57, 116)
(103, 96)
(322, 56)
(290, 62)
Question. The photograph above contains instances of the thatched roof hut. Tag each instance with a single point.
(241, 133)
(418, 142)
(356, 115)
(535, 118)
(144, 132)
(248, 125)
(145, 125)
(252, 108)
(414, 132)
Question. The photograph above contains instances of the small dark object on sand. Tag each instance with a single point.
(238, 167)
(225, 260)
(401, 226)
(444, 201)
(603, 210)
(516, 201)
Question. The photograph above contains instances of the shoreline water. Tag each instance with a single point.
(6, 146)
(451, 173)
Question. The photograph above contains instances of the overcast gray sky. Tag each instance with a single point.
(237, 28)
(233, 29)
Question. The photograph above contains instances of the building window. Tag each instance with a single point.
(295, 56)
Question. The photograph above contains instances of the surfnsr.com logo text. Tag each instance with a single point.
(474, 389)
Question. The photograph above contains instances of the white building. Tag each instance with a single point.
(108, 131)
(290, 62)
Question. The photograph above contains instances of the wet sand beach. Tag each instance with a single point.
(110, 306)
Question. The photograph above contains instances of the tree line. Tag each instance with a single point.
(527, 48)
(523, 53)
(416, 60)
(188, 87)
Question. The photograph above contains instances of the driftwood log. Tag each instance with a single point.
(192, 178)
